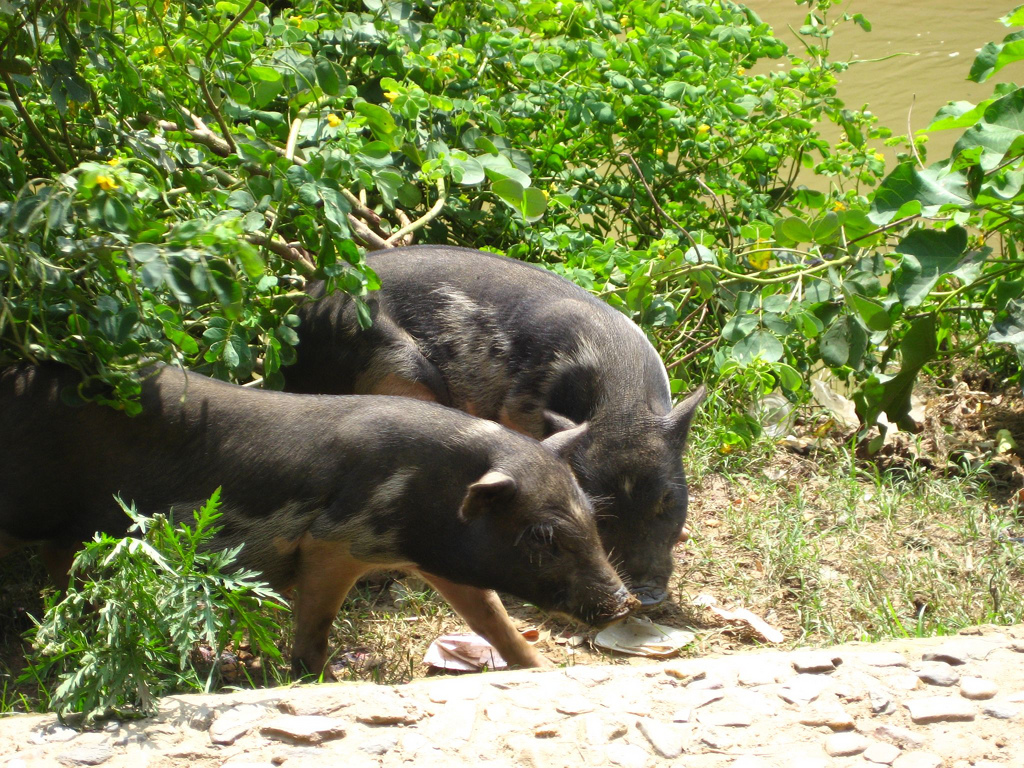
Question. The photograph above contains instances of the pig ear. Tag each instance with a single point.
(678, 421)
(564, 441)
(556, 422)
(492, 488)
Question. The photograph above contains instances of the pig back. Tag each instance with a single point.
(287, 457)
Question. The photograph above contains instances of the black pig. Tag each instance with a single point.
(318, 489)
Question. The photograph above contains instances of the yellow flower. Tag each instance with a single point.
(761, 256)
(725, 449)
(879, 156)
(391, 95)
(659, 151)
(545, 193)
(703, 128)
(296, 20)
(839, 206)
(114, 161)
(333, 120)
(624, 20)
(106, 183)
(159, 50)
(741, 71)
(432, 58)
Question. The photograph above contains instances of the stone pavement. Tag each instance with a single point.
(954, 702)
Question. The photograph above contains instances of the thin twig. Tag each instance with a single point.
(366, 214)
(371, 239)
(692, 354)
(884, 227)
(689, 336)
(293, 137)
(910, 133)
(200, 134)
(32, 127)
(404, 221)
(217, 113)
(16, 28)
(435, 209)
(230, 27)
(654, 200)
(721, 206)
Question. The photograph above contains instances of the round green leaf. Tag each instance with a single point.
(797, 230)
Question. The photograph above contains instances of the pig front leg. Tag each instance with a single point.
(483, 611)
(326, 573)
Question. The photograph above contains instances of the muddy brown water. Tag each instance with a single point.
(940, 39)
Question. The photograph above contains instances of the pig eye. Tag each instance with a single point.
(665, 504)
(543, 535)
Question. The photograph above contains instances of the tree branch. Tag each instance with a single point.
(370, 238)
(692, 354)
(200, 134)
(423, 220)
(290, 252)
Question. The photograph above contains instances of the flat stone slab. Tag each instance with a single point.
(882, 753)
(304, 729)
(814, 662)
(234, 723)
(951, 653)
(938, 673)
(1001, 710)
(940, 709)
(86, 756)
(977, 688)
(804, 689)
(902, 737)
(918, 760)
(832, 716)
(846, 744)
(667, 740)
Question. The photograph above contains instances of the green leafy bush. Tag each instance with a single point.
(192, 163)
(138, 607)
(173, 173)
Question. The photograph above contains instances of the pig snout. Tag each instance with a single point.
(627, 603)
(649, 595)
(610, 607)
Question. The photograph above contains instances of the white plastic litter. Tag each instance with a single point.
(463, 653)
(741, 616)
(642, 637)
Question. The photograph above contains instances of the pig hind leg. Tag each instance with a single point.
(483, 611)
(397, 366)
(58, 558)
(326, 573)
